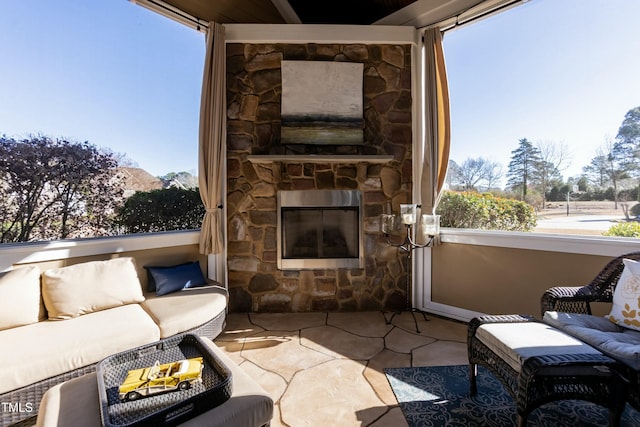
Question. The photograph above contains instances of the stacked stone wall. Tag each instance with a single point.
(254, 89)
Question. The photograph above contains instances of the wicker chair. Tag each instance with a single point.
(578, 299)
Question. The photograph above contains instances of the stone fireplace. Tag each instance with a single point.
(319, 229)
(260, 169)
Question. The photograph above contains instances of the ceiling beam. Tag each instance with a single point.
(446, 14)
(423, 13)
(286, 11)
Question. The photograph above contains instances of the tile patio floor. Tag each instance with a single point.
(326, 369)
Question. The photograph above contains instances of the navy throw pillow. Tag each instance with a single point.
(165, 280)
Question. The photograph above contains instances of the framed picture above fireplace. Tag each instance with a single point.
(322, 103)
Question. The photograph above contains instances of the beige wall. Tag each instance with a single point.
(496, 280)
(485, 279)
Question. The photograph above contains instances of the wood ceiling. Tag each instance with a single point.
(361, 12)
(355, 12)
(231, 11)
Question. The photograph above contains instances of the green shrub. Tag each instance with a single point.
(624, 229)
(162, 210)
(485, 212)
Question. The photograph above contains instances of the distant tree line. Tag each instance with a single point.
(534, 172)
(53, 189)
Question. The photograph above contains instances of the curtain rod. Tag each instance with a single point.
(456, 21)
(174, 13)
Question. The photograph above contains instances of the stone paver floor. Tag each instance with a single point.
(326, 369)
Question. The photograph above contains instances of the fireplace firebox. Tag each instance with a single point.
(320, 229)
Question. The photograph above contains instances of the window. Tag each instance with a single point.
(538, 94)
(109, 78)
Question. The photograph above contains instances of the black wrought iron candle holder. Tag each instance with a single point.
(429, 228)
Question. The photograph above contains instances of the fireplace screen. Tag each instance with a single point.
(321, 230)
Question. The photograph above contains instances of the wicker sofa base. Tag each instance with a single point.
(20, 414)
(547, 378)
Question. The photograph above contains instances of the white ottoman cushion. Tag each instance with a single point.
(515, 342)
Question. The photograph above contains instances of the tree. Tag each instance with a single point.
(553, 160)
(162, 210)
(474, 172)
(522, 167)
(122, 159)
(55, 189)
(582, 182)
(596, 171)
(183, 180)
(493, 176)
(626, 150)
(607, 167)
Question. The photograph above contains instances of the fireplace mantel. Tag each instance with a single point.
(319, 158)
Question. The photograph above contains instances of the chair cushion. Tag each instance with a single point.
(622, 344)
(187, 309)
(79, 289)
(20, 301)
(516, 342)
(41, 350)
(164, 280)
(625, 310)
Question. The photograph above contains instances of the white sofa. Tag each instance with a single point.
(57, 324)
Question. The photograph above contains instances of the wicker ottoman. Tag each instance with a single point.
(538, 364)
(76, 403)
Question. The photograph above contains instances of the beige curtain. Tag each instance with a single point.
(437, 136)
(212, 141)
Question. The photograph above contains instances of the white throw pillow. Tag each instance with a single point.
(20, 302)
(626, 298)
(91, 286)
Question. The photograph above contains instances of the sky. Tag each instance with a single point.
(79, 69)
(578, 77)
(117, 75)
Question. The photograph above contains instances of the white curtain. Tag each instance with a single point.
(437, 136)
(212, 141)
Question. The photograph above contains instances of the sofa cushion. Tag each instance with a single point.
(516, 342)
(625, 310)
(79, 289)
(622, 344)
(41, 350)
(181, 311)
(164, 280)
(20, 301)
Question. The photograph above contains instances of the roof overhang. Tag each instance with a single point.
(415, 13)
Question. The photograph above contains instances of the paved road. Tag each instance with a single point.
(579, 222)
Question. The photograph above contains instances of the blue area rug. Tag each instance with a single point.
(439, 396)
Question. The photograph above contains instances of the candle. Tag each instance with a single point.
(430, 230)
(430, 224)
(387, 223)
(408, 213)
